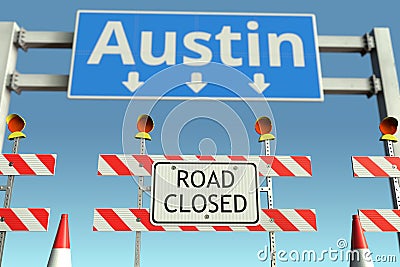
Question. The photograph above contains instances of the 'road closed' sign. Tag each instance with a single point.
(205, 193)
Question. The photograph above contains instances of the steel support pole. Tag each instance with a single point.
(7, 200)
(384, 67)
(8, 61)
(272, 242)
(140, 203)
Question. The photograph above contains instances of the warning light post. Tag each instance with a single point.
(388, 127)
(145, 125)
(263, 127)
(15, 124)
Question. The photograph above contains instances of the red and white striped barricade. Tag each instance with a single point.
(270, 220)
(24, 219)
(376, 166)
(141, 165)
(380, 220)
(27, 164)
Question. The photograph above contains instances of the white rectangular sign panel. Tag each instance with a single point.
(205, 193)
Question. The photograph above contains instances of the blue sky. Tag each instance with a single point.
(78, 130)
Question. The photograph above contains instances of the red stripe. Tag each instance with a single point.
(145, 161)
(397, 212)
(12, 220)
(48, 160)
(257, 228)
(189, 228)
(394, 161)
(144, 217)
(267, 159)
(281, 169)
(222, 228)
(113, 220)
(280, 220)
(304, 162)
(371, 166)
(99, 173)
(94, 229)
(19, 164)
(116, 164)
(309, 217)
(379, 220)
(237, 158)
(173, 157)
(41, 215)
(211, 158)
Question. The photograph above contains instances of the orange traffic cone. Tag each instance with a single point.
(61, 253)
(360, 256)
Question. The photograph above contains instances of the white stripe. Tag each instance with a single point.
(4, 227)
(362, 260)
(367, 224)
(104, 168)
(28, 219)
(5, 168)
(391, 217)
(384, 164)
(60, 257)
(293, 166)
(133, 165)
(35, 164)
(171, 228)
(360, 170)
(297, 220)
(268, 223)
(100, 223)
(129, 219)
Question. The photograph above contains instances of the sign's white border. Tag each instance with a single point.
(321, 99)
(204, 223)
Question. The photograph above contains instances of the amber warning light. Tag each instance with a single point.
(145, 125)
(388, 128)
(263, 127)
(15, 124)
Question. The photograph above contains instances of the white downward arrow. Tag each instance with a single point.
(133, 82)
(196, 83)
(259, 84)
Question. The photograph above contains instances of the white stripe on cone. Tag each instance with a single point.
(361, 255)
(60, 257)
(61, 253)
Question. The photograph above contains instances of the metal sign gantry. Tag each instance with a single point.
(383, 81)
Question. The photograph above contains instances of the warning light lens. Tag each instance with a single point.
(263, 125)
(388, 125)
(145, 123)
(15, 123)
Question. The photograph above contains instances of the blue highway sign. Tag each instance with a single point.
(260, 56)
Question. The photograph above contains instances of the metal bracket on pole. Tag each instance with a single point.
(12, 83)
(376, 86)
(20, 42)
(369, 44)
